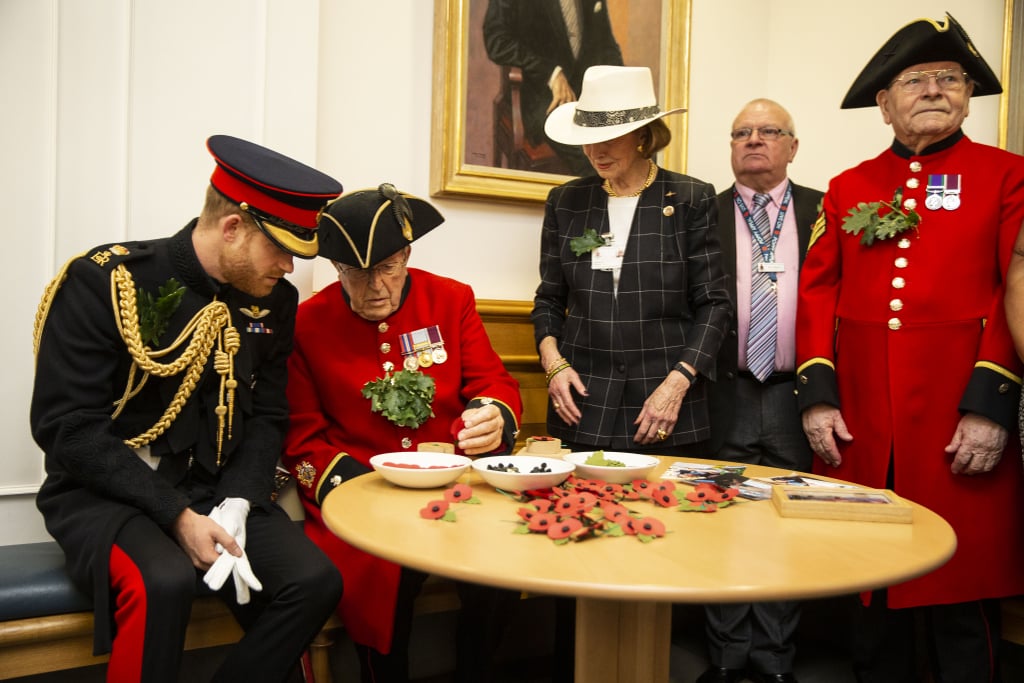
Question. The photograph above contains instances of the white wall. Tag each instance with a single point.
(108, 103)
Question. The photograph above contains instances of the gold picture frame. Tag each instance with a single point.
(456, 51)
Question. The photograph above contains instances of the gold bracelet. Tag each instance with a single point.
(555, 370)
(558, 361)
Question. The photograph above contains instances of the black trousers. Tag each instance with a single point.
(483, 614)
(154, 583)
(766, 430)
(956, 643)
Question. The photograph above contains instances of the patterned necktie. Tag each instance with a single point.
(763, 300)
(572, 25)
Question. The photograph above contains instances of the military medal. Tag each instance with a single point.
(410, 357)
(951, 197)
(437, 352)
(935, 186)
(943, 192)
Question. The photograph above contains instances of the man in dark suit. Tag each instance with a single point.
(553, 42)
(754, 416)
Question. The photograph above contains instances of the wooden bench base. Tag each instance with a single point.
(64, 641)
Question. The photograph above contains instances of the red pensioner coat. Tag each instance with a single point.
(337, 352)
(906, 335)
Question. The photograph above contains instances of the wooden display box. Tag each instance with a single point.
(863, 505)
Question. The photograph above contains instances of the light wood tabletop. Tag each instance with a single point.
(745, 552)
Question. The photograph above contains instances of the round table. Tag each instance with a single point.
(745, 552)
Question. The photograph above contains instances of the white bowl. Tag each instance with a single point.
(420, 469)
(637, 466)
(554, 471)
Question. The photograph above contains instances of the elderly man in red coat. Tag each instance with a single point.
(384, 319)
(907, 375)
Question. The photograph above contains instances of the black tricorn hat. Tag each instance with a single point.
(283, 196)
(921, 41)
(364, 227)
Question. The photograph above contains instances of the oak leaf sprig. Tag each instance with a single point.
(155, 312)
(589, 241)
(403, 398)
(868, 220)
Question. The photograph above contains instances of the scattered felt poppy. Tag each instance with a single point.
(649, 526)
(460, 493)
(564, 528)
(665, 499)
(435, 509)
(527, 513)
(542, 521)
(542, 504)
(613, 510)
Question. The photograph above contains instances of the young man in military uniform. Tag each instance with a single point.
(160, 404)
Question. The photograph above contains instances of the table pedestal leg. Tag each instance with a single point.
(622, 642)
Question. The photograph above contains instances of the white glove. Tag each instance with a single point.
(231, 514)
(240, 569)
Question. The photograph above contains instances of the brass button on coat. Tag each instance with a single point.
(895, 324)
(901, 262)
(896, 305)
(899, 283)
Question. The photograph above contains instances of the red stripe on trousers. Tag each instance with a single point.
(130, 616)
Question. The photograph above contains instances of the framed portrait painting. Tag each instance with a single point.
(493, 72)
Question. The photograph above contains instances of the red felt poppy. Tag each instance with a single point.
(435, 509)
(526, 513)
(564, 528)
(642, 488)
(542, 504)
(542, 521)
(665, 499)
(649, 526)
(458, 493)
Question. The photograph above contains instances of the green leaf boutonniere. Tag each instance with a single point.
(403, 398)
(868, 221)
(155, 312)
(588, 242)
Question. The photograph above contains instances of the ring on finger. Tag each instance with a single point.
(556, 405)
(662, 435)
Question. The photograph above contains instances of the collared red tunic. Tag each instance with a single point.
(910, 333)
(334, 433)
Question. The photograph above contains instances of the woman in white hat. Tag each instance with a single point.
(632, 304)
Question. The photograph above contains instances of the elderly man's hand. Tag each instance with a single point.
(977, 445)
(482, 431)
(822, 424)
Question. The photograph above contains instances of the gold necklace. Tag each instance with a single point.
(651, 172)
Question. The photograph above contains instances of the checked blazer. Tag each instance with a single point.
(672, 305)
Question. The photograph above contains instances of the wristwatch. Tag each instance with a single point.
(685, 371)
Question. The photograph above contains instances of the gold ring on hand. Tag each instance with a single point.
(557, 405)
(662, 435)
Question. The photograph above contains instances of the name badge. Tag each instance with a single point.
(771, 267)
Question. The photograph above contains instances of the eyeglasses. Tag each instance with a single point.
(384, 270)
(765, 133)
(916, 82)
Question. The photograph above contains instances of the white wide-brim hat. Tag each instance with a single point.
(614, 100)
